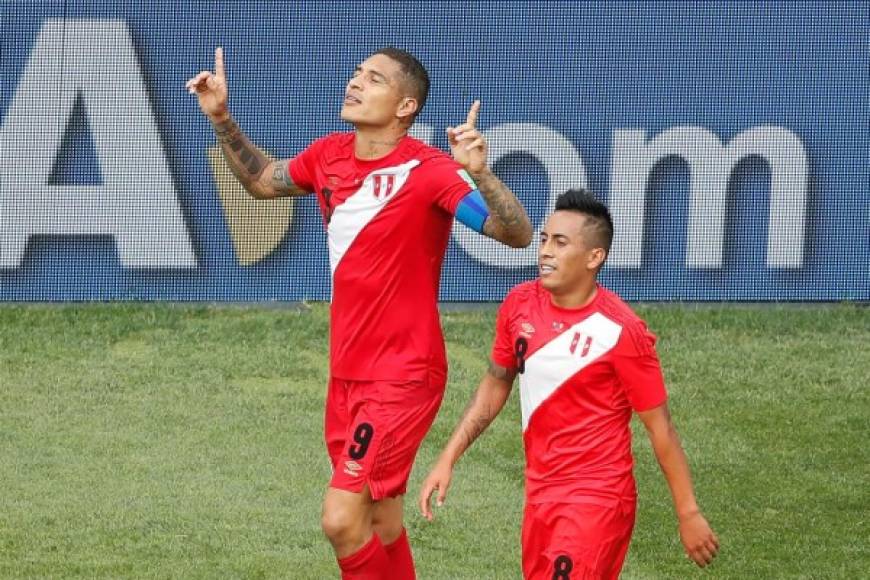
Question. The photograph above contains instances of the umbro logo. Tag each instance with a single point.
(352, 468)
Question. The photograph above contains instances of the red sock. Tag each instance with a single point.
(368, 563)
(401, 560)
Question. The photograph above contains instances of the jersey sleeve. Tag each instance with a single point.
(303, 167)
(451, 184)
(502, 345)
(638, 368)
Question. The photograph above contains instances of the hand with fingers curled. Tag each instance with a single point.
(211, 90)
(699, 540)
(467, 144)
(438, 481)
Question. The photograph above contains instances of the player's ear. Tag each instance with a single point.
(595, 258)
(408, 107)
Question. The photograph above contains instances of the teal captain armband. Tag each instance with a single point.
(472, 211)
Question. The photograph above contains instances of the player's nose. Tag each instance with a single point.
(354, 83)
(544, 250)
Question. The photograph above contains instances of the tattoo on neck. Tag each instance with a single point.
(377, 147)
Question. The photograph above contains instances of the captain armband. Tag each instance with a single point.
(472, 211)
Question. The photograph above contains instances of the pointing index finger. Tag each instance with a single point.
(219, 61)
(472, 113)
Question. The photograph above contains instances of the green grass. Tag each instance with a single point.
(154, 441)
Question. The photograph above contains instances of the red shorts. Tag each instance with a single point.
(373, 431)
(576, 540)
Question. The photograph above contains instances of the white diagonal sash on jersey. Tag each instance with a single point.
(550, 366)
(349, 218)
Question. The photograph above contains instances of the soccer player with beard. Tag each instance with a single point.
(388, 203)
(586, 362)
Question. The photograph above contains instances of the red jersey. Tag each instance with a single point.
(582, 372)
(388, 222)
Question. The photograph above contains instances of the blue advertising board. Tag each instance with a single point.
(730, 141)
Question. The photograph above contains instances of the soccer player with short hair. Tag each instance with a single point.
(388, 203)
(585, 362)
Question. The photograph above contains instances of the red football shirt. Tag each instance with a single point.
(388, 223)
(583, 371)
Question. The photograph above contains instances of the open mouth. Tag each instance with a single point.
(546, 269)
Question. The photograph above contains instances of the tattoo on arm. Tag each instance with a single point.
(226, 130)
(281, 183)
(249, 164)
(478, 415)
(474, 422)
(281, 177)
(501, 372)
(507, 221)
(245, 160)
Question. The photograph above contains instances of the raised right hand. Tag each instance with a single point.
(438, 479)
(211, 89)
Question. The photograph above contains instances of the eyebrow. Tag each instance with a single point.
(373, 73)
(562, 236)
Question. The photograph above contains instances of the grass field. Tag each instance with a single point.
(154, 441)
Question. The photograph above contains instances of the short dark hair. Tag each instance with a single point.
(599, 222)
(416, 79)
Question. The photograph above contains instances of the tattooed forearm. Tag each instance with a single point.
(486, 403)
(251, 166)
(226, 130)
(507, 222)
(475, 420)
(244, 159)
